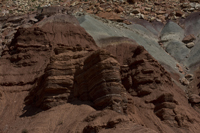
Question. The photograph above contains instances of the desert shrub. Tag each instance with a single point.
(24, 131)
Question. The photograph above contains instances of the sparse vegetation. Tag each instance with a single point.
(38, 7)
(31, 9)
(60, 123)
(24, 131)
(10, 11)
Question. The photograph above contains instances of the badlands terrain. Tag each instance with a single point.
(99, 66)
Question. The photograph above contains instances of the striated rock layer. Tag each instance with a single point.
(152, 88)
(54, 78)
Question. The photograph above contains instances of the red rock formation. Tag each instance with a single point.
(194, 91)
(56, 66)
(151, 88)
(99, 80)
(138, 68)
(68, 43)
(56, 85)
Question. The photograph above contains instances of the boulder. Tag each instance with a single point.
(165, 114)
(188, 38)
(189, 77)
(194, 99)
(135, 11)
(184, 81)
(119, 9)
(190, 45)
(179, 13)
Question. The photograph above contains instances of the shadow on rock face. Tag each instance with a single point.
(140, 73)
(120, 84)
(30, 111)
(72, 74)
(99, 80)
(75, 69)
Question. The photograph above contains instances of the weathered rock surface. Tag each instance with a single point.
(177, 49)
(172, 31)
(195, 99)
(154, 37)
(148, 82)
(100, 30)
(194, 91)
(193, 59)
(54, 78)
(100, 80)
(191, 24)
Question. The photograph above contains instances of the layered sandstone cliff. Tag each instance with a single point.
(54, 78)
